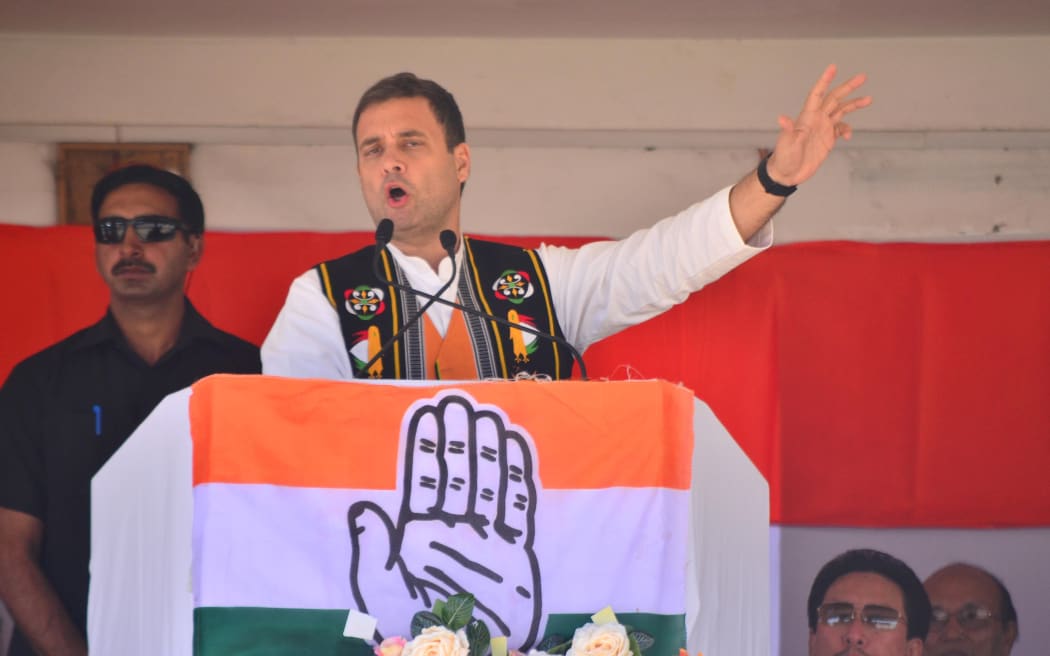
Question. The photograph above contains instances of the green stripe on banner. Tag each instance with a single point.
(668, 631)
(282, 631)
(273, 632)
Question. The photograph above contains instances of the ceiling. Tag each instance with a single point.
(689, 19)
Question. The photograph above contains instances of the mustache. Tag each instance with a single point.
(397, 179)
(133, 264)
(852, 651)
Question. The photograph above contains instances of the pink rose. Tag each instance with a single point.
(390, 647)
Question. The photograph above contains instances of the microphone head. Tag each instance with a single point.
(448, 242)
(384, 232)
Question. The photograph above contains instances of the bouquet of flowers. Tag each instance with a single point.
(450, 629)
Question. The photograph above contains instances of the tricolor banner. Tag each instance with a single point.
(546, 501)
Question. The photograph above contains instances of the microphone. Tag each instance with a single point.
(436, 298)
(384, 232)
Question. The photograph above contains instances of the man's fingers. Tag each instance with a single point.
(820, 89)
(836, 106)
(855, 104)
(839, 93)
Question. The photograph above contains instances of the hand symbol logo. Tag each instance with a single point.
(466, 521)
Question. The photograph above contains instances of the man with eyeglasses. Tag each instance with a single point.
(973, 614)
(867, 603)
(66, 410)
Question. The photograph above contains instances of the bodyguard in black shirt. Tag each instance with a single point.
(67, 409)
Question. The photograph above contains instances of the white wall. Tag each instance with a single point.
(569, 136)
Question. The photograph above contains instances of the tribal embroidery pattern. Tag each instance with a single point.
(513, 286)
(365, 301)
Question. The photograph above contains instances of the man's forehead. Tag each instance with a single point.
(396, 116)
(863, 588)
(959, 585)
(137, 194)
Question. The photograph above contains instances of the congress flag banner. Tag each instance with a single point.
(546, 501)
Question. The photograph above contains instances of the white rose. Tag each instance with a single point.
(600, 640)
(438, 641)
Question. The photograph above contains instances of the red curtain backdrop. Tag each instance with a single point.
(873, 385)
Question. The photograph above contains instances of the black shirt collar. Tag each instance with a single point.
(194, 327)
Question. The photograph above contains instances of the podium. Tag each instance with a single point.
(250, 514)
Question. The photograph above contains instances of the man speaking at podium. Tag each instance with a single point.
(503, 310)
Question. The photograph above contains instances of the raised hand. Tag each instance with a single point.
(804, 142)
(466, 522)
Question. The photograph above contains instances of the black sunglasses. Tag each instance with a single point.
(149, 228)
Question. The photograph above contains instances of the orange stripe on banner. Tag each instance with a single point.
(312, 433)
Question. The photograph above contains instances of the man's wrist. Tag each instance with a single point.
(769, 184)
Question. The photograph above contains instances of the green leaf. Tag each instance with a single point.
(643, 639)
(458, 610)
(422, 620)
(636, 649)
(439, 610)
(478, 637)
(554, 644)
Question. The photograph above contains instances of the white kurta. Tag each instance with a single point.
(598, 289)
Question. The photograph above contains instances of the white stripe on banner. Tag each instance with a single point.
(624, 547)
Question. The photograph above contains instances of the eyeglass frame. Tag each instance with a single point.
(983, 622)
(136, 223)
(864, 618)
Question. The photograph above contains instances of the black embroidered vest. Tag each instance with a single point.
(499, 279)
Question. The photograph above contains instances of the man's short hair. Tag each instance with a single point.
(916, 601)
(191, 210)
(407, 85)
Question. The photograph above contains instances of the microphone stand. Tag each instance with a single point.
(448, 242)
(383, 234)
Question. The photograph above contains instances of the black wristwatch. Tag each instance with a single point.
(769, 184)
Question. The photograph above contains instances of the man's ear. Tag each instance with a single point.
(196, 250)
(1011, 635)
(812, 642)
(461, 154)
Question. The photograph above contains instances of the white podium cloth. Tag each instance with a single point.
(141, 598)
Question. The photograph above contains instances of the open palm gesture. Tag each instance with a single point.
(805, 141)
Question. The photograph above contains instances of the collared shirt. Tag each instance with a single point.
(66, 410)
(597, 290)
